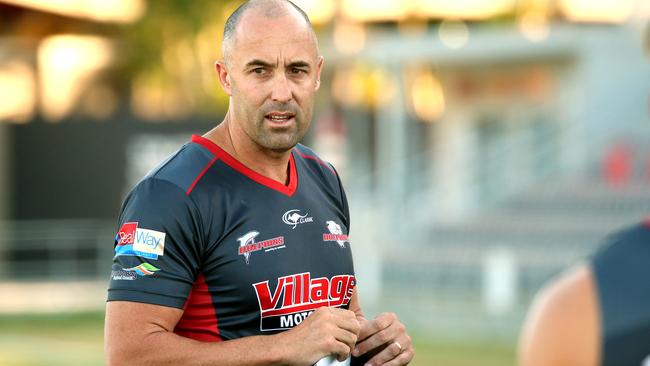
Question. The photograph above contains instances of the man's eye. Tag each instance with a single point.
(297, 71)
(259, 70)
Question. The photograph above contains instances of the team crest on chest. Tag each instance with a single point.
(335, 234)
(248, 245)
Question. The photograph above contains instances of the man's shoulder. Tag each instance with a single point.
(182, 168)
(620, 273)
(623, 253)
(312, 159)
(562, 325)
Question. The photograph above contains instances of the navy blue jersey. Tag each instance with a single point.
(241, 253)
(622, 274)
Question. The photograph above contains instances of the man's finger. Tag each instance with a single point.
(374, 341)
(347, 320)
(347, 338)
(378, 324)
(343, 344)
(403, 359)
(342, 351)
(389, 353)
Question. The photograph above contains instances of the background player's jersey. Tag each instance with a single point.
(242, 254)
(622, 273)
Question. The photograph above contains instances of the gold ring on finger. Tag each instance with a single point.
(398, 346)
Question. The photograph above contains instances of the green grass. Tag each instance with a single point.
(71, 339)
(457, 353)
(76, 339)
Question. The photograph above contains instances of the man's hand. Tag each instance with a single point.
(327, 331)
(388, 335)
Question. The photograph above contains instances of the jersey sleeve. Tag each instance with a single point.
(157, 246)
(346, 208)
(344, 199)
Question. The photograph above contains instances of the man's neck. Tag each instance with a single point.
(235, 142)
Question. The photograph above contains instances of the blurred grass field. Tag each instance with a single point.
(76, 339)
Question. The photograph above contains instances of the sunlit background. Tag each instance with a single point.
(486, 145)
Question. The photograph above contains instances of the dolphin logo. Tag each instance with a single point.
(246, 239)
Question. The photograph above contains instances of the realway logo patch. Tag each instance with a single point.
(293, 218)
(247, 244)
(296, 296)
(134, 241)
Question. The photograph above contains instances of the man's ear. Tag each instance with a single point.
(319, 67)
(224, 76)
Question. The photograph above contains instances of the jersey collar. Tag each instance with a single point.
(287, 190)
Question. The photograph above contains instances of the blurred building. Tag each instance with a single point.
(468, 111)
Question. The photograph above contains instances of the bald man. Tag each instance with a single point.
(235, 250)
(597, 314)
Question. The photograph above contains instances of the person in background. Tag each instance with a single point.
(597, 313)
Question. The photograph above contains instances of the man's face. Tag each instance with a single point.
(273, 72)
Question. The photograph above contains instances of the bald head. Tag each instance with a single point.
(270, 9)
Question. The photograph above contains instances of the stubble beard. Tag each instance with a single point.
(275, 138)
(279, 140)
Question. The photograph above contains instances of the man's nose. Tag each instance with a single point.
(281, 91)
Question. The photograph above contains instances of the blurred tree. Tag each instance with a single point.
(168, 56)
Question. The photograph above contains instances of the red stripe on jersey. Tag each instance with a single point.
(304, 156)
(199, 320)
(287, 190)
(198, 178)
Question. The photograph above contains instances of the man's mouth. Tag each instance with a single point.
(280, 117)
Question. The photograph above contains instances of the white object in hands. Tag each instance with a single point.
(332, 361)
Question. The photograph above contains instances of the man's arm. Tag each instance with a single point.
(385, 338)
(142, 334)
(563, 327)
(355, 306)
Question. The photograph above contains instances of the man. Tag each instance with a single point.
(235, 250)
(598, 313)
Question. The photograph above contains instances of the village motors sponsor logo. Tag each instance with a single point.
(247, 244)
(297, 296)
(293, 218)
(134, 241)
